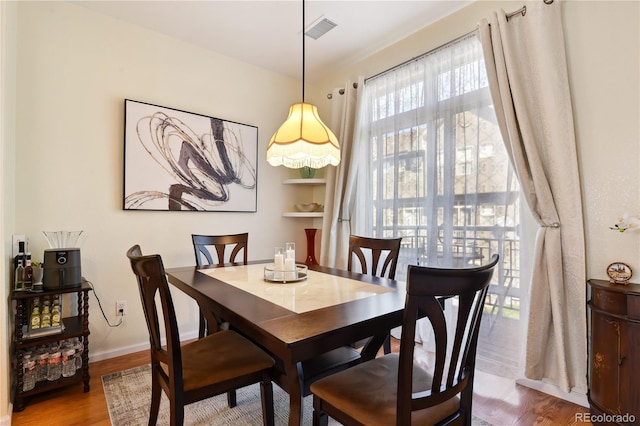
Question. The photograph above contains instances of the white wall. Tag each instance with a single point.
(75, 68)
(602, 40)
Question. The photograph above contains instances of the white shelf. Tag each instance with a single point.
(303, 214)
(310, 181)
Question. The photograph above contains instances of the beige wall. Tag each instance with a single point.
(7, 159)
(602, 40)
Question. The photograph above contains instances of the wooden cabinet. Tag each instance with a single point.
(73, 326)
(614, 352)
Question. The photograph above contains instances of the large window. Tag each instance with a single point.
(437, 173)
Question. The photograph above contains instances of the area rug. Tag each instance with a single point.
(128, 395)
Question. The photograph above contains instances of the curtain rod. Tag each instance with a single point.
(341, 91)
(415, 58)
(522, 11)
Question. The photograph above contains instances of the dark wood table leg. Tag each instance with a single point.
(294, 375)
(372, 347)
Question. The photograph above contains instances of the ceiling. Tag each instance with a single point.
(267, 33)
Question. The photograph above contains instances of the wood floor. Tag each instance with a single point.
(498, 401)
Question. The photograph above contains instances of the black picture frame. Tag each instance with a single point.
(176, 160)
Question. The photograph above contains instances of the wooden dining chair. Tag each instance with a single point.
(203, 246)
(383, 255)
(210, 366)
(392, 389)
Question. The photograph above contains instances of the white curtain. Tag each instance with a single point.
(434, 170)
(340, 185)
(527, 71)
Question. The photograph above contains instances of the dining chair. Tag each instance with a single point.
(206, 367)
(203, 246)
(382, 254)
(393, 389)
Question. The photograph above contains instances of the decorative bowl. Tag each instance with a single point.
(308, 207)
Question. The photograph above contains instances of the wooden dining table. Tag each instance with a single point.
(296, 321)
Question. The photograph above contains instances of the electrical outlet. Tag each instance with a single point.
(121, 308)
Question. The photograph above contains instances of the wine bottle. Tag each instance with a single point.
(20, 255)
(19, 277)
(28, 272)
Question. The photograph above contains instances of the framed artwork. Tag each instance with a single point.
(181, 161)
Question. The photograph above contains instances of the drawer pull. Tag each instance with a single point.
(622, 357)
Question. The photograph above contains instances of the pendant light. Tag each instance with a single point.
(303, 140)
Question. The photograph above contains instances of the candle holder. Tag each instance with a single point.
(274, 276)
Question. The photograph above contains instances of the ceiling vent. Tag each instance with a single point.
(319, 28)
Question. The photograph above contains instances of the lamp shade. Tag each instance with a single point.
(303, 140)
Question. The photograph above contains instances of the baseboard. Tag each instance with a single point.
(574, 397)
(6, 420)
(126, 350)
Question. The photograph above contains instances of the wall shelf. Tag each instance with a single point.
(310, 181)
(303, 214)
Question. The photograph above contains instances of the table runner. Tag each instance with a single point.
(319, 290)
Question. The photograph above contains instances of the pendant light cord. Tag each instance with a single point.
(303, 51)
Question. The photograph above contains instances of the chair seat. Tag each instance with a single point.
(219, 357)
(329, 363)
(368, 393)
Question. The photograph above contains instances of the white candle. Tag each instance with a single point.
(290, 251)
(289, 264)
(278, 262)
(291, 254)
(290, 269)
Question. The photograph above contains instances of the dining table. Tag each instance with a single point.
(320, 310)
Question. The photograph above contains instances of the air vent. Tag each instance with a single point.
(319, 28)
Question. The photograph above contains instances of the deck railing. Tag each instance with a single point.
(470, 246)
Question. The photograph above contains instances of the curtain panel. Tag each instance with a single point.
(340, 185)
(527, 70)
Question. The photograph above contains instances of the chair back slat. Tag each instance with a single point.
(201, 244)
(453, 369)
(377, 249)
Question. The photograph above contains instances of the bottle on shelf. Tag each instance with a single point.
(45, 317)
(55, 366)
(28, 272)
(18, 268)
(55, 312)
(29, 373)
(68, 362)
(19, 276)
(42, 365)
(19, 256)
(79, 347)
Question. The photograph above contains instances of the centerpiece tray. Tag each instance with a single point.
(283, 277)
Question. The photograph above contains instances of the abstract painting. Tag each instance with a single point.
(181, 161)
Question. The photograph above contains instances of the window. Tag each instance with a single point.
(437, 173)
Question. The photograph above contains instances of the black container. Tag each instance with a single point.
(62, 268)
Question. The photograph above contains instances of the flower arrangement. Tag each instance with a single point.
(627, 223)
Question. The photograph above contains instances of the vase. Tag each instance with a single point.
(311, 246)
(307, 172)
